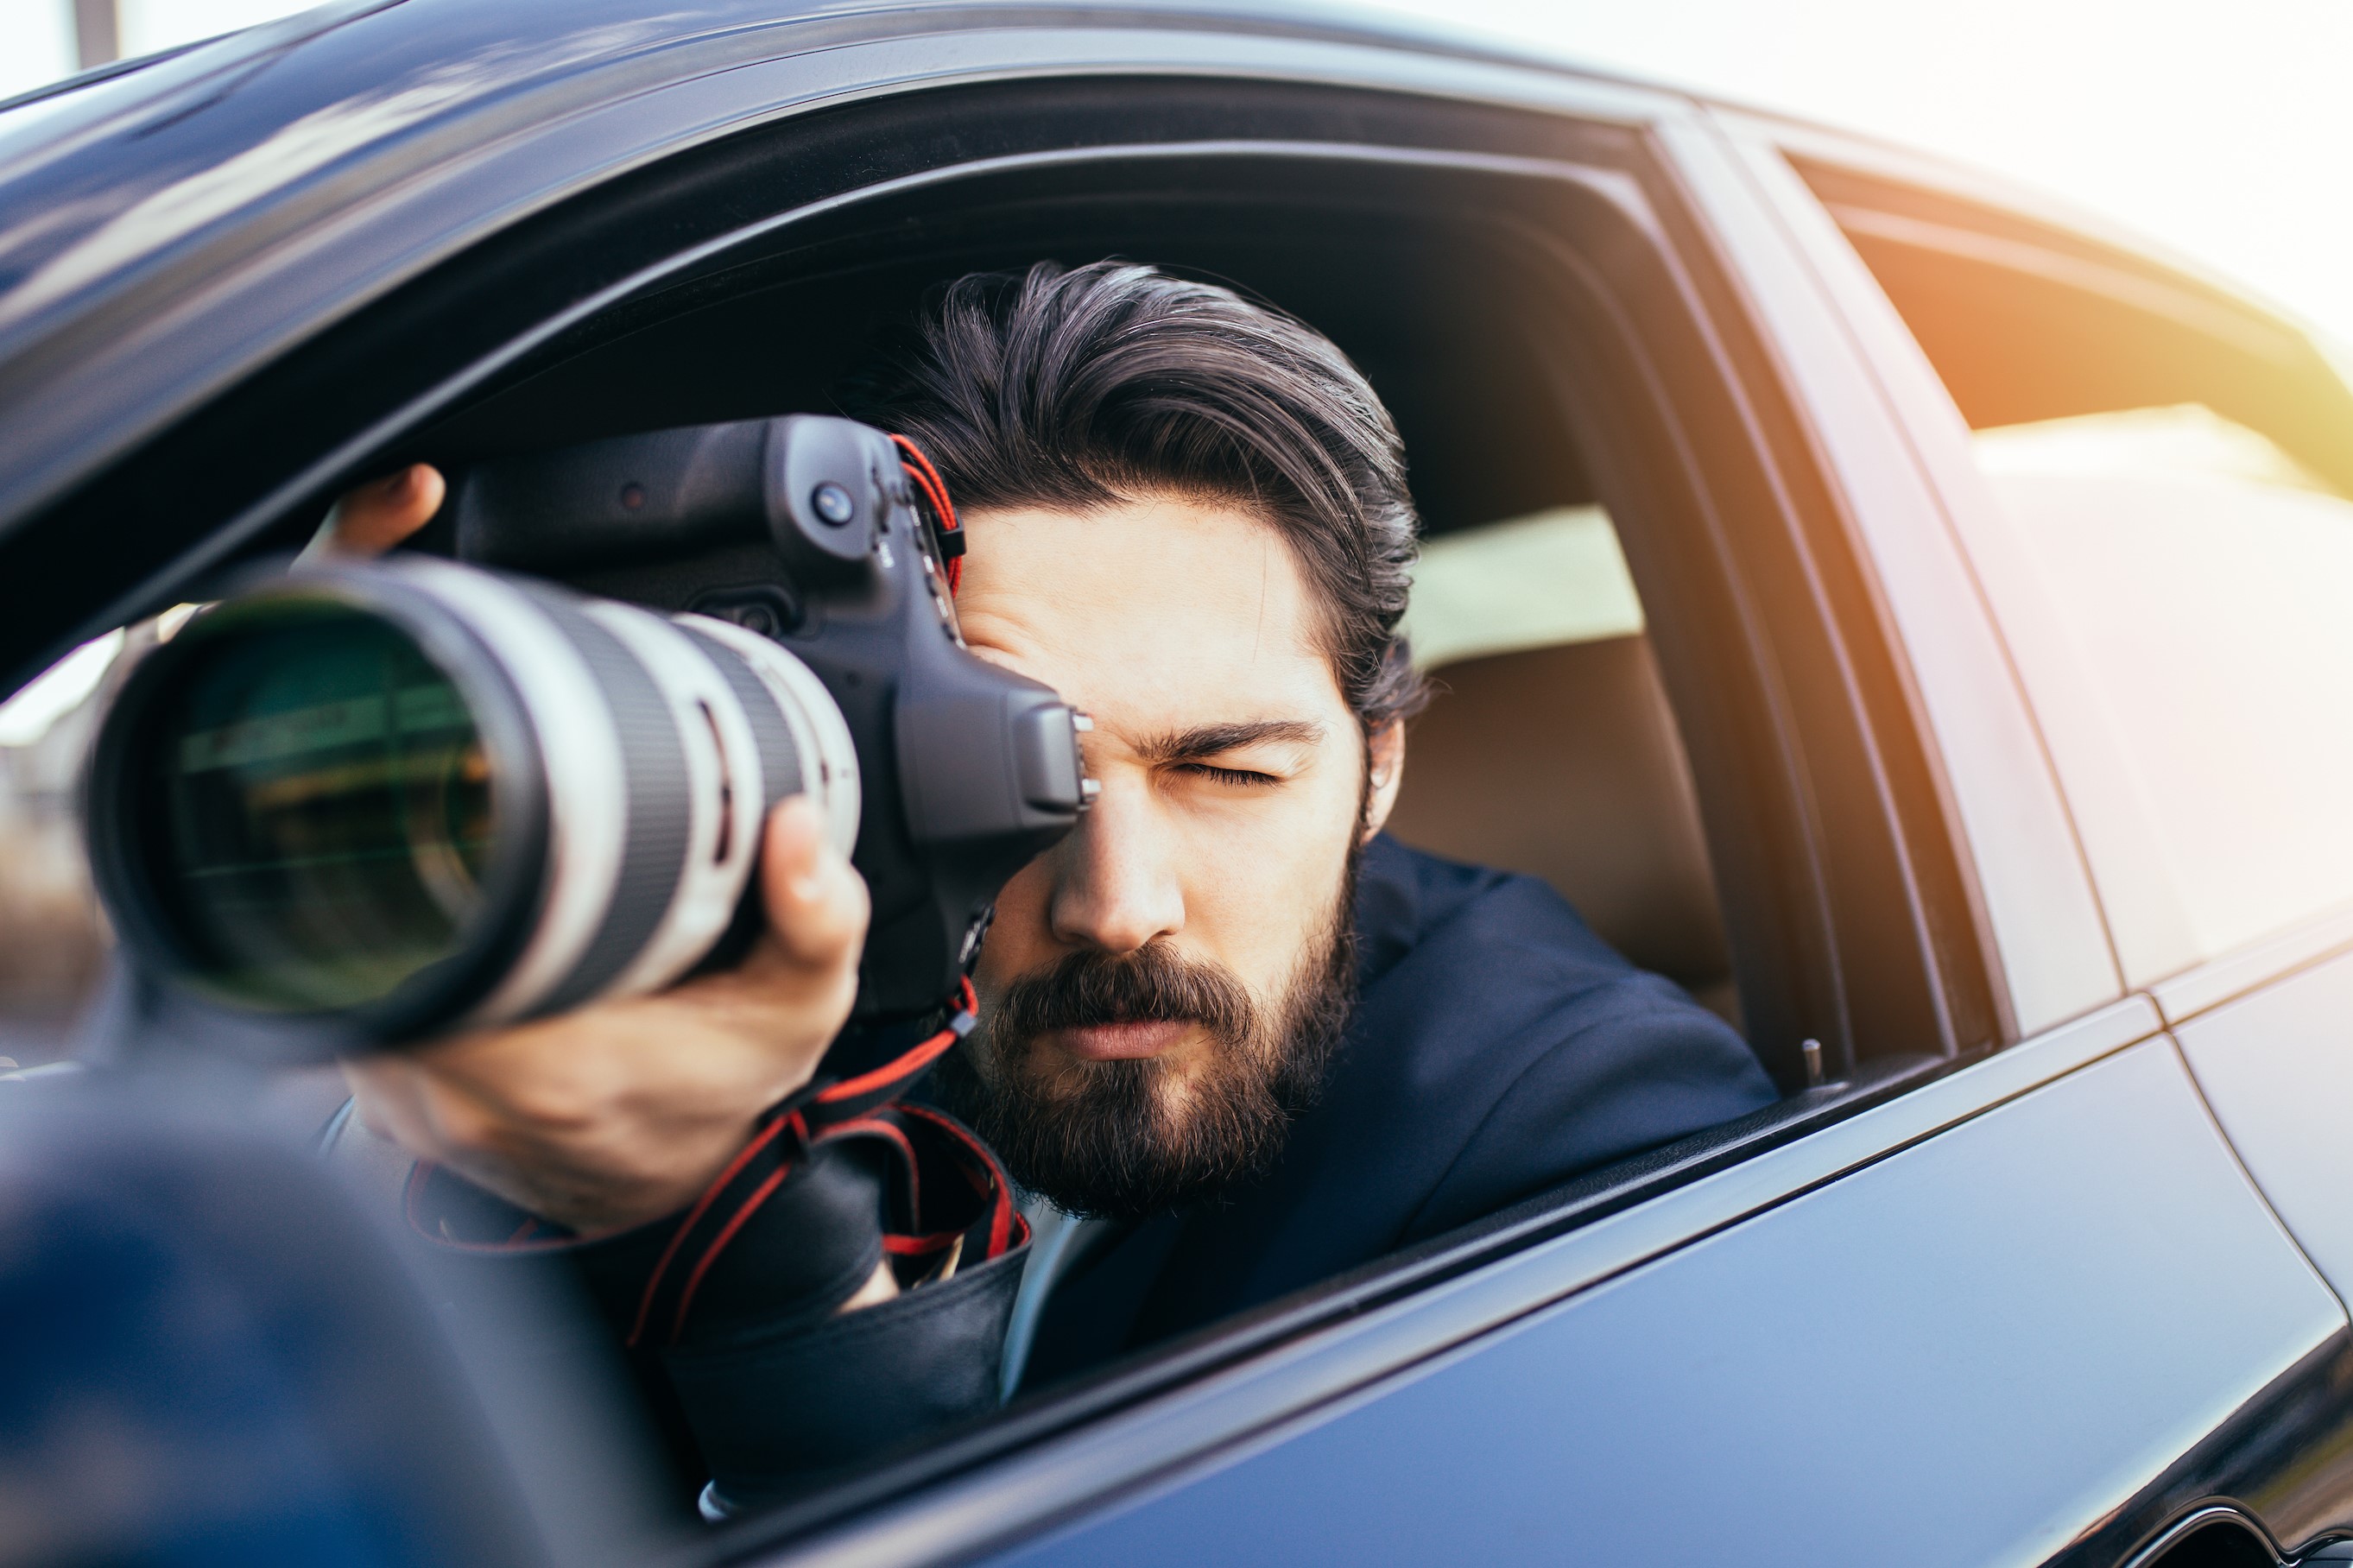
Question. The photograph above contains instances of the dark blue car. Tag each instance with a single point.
(1914, 619)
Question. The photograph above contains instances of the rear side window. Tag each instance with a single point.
(2174, 565)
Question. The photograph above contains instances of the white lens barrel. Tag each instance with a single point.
(662, 743)
(820, 736)
(725, 793)
(588, 819)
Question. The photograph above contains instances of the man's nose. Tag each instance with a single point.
(1116, 884)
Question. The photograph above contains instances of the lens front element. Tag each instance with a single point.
(318, 806)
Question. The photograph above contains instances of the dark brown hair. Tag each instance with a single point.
(1076, 388)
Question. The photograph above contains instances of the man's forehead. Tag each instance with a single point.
(1157, 614)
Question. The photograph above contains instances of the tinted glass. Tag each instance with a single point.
(324, 808)
(2168, 550)
(2200, 654)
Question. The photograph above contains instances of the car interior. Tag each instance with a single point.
(1556, 756)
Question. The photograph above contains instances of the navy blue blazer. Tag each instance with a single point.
(1498, 1049)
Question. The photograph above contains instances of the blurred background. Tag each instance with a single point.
(2221, 132)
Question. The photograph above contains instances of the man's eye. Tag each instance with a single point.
(1241, 777)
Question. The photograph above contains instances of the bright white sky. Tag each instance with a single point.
(2222, 127)
(37, 38)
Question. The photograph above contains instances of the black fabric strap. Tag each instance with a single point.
(774, 1413)
(738, 1296)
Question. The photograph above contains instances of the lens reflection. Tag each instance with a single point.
(324, 808)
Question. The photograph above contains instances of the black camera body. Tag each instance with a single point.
(359, 804)
(809, 531)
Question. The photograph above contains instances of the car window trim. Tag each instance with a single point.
(395, 233)
(1918, 518)
(438, 192)
(1613, 192)
(2307, 945)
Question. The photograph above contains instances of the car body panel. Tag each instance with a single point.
(2183, 996)
(2151, 1113)
(2277, 1065)
(1799, 1368)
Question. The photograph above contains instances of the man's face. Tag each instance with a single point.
(1162, 987)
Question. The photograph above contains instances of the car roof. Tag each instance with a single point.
(103, 173)
(135, 197)
(129, 195)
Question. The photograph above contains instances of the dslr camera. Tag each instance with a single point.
(358, 804)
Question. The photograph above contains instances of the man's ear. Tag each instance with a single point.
(1385, 754)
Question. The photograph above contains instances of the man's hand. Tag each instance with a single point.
(373, 517)
(620, 1113)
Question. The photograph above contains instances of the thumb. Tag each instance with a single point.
(817, 904)
(372, 518)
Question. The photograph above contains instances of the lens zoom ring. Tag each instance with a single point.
(780, 760)
(659, 807)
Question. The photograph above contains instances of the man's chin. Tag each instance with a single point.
(1118, 1137)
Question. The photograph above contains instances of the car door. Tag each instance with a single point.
(1988, 1286)
(2145, 477)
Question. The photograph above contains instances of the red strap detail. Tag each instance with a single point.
(866, 1126)
(701, 1205)
(877, 1127)
(1002, 1216)
(902, 1067)
(918, 1246)
(760, 1194)
(919, 468)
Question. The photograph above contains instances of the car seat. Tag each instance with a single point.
(1564, 761)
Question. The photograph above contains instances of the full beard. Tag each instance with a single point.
(1124, 1140)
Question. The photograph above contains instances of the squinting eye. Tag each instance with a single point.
(1241, 777)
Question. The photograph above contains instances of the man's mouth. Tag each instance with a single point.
(1117, 1042)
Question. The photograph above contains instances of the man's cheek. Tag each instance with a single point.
(1258, 897)
(1018, 940)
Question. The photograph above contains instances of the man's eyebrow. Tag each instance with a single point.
(1209, 740)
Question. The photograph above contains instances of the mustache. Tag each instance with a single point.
(1152, 984)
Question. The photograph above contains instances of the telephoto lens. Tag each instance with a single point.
(410, 796)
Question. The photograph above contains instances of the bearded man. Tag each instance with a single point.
(1231, 1039)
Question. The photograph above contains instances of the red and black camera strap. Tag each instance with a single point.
(834, 1180)
(948, 531)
